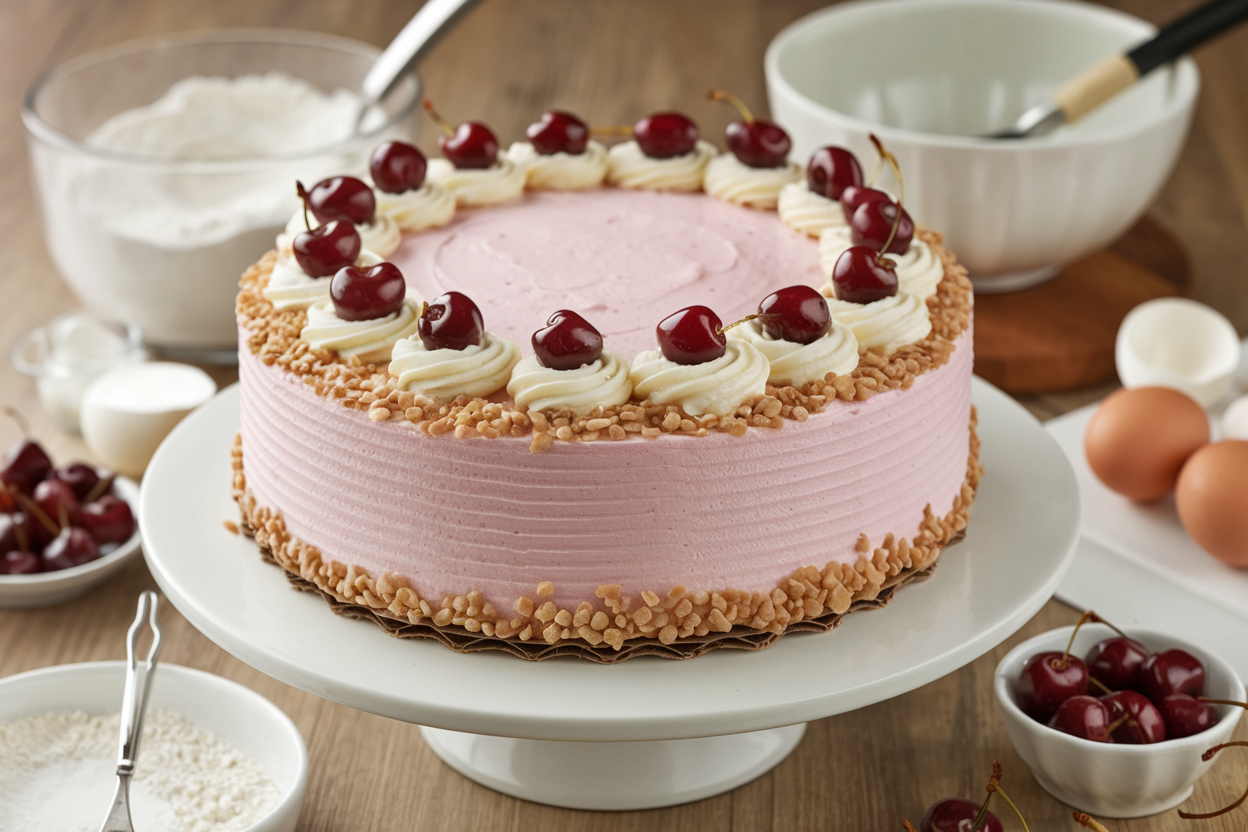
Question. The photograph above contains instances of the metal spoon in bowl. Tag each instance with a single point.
(133, 709)
(1102, 81)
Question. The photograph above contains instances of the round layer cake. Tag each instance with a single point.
(634, 528)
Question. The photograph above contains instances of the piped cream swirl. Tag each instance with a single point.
(731, 180)
(371, 340)
(628, 167)
(919, 270)
(472, 187)
(428, 206)
(806, 211)
(719, 386)
(603, 382)
(381, 236)
(561, 171)
(888, 324)
(441, 375)
(290, 287)
(796, 364)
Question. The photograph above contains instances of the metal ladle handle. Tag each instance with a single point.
(410, 45)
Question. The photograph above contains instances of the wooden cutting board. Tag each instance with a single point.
(1060, 335)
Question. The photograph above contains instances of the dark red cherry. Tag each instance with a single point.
(108, 519)
(397, 167)
(873, 222)
(1048, 680)
(20, 563)
(831, 170)
(567, 342)
(855, 196)
(664, 135)
(25, 465)
(756, 143)
(72, 547)
(327, 248)
(20, 530)
(58, 501)
(558, 132)
(1186, 716)
(956, 814)
(451, 322)
(862, 276)
(1083, 716)
(1116, 662)
(1172, 671)
(471, 147)
(1144, 725)
(367, 293)
(694, 335)
(79, 476)
(341, 198)
(795, 313)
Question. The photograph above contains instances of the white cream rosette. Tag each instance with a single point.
(473, 187)
(887, 324)
(290, 287)
(628, 167)
(806, 211)
(381, 236)
(919, 270)
(371, 340)
(797, 364)
(428, 206)
(441, 375)
(561, 171)
(730, 179)
(602, 382)
(719, 386)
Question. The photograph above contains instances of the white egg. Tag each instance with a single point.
(1235, 420)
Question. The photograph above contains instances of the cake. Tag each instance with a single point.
(625, 523)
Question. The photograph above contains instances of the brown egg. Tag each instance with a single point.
(1138, 440)
(1212, 498)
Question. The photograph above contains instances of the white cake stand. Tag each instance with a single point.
(647, 732)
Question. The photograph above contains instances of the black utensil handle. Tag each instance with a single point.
(1188, 32)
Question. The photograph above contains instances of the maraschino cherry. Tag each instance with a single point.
(694, 335)
(666, 135)
(558, 132)
(755, 142)
(451, 322)
(365, 293)
(567, 342)
(397, 167)
(1083, 716)
(831, 170)
(957, 814)
(470, 146)
(340, 198)
(795, 313)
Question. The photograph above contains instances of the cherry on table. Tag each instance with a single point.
(665, 135)
(470, 146)
(79, 476)
(397, 167)
(872, 224)
(1186, 715)
(1083, 716)
(694, 335)
(831, 170)
(567, 342)
(25, 465)
(861, 275)
(755, 142)
(956, 814)
(1172, 671)
(369, 292)
(58, 501)
(795, 313)
(74, 546)
(340, 198)
(327, 248)
(558, 132)
(1144, 724)
(20, 563)
(108, 519)
(1116, 662)
(451, 322)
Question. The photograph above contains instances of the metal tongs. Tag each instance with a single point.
(133, 709)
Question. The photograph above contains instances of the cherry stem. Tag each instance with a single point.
(612, 130)
(722, 329)
(32, 508)
(1090, 822)
(720, 95)
(1222, 701)
(23, 543)
(1099, 684)
(887, 156)
(1083, 619)
(905, 824)
(437, 119)
(993, 781)
(12, 413)
(1006, 798)
(1120, 721)
(97, 490)
(1207, 756)
(303, 195)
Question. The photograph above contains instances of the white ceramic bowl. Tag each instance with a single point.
(926, 76)
(21, 592)
(1179, 343)
(1116, 781)
(240, 716)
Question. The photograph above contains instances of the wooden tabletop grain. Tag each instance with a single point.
(610, 61)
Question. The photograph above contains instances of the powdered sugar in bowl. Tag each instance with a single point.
(165, 167)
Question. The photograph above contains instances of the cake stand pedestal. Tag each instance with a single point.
(647, 732)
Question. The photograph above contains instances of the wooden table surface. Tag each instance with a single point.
(610, 62)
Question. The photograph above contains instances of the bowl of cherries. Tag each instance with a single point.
(1116, 724)
(62, 530)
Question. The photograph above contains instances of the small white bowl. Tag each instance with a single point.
(239, 715)
(23, 592)
(927, 76)
(1179, 343)
(1115, 781)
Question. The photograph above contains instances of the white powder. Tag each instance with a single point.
(58, 774)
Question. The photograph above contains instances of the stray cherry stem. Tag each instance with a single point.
(720, 95)
(906, 825)
(1207, 756)
(1092, 823)
(1006, 798)
(437, 119)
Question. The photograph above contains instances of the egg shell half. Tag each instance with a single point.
(1212, 499)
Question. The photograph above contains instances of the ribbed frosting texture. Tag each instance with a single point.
(602, 382)
(561, 171)
(729, 179)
